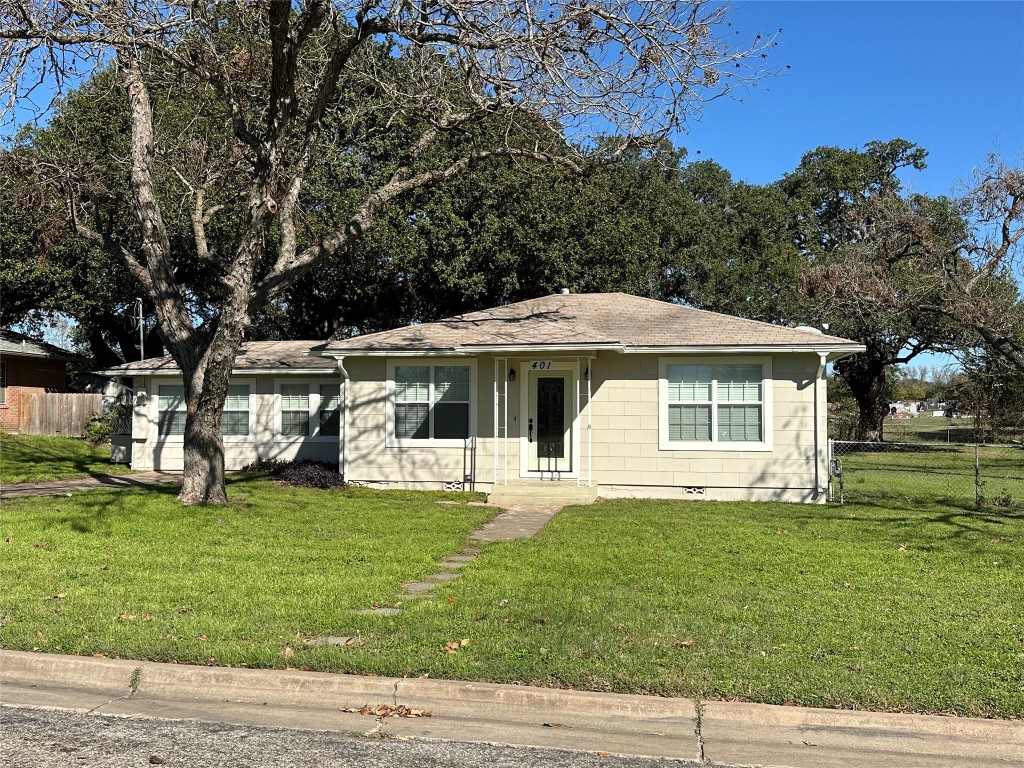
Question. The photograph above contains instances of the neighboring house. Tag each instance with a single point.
(631, 396)
(28, 366)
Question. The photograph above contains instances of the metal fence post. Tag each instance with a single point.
(977, 475)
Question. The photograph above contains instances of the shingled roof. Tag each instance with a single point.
(253, 356)
(14, 344)
(618, 320)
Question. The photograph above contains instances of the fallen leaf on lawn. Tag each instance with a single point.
(204, 638)
(998, 539)
(99, 655)
(41, 545)
(38, 633)
(464, 642)
(288, 652)
(453, 600)
(127, 617)
(779, 531)
(604, 754)
(387, 710)
(147, 617)
(60, 595)
(809, 744)
(687, 643)
(902, 548)
(553, 725)
(451, 647)
(10, 539)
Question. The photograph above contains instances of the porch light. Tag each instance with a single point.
(511, 374)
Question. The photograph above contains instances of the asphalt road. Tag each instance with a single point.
(32, 738)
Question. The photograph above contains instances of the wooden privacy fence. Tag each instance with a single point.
(59, 413)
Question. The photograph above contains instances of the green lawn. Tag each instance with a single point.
(887, 473)
(905, 606)
(37, 458)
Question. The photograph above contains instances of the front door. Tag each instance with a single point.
(549, 422)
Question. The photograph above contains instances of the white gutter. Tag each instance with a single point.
(834, 351)
(343, 442)
(823, 361)
(840, 350)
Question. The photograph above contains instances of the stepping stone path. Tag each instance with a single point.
(514, 523)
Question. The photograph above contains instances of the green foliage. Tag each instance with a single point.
(97, 431)
(38, 458)
(859, 606)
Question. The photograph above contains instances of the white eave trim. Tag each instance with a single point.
(818, 349)
(234, 371)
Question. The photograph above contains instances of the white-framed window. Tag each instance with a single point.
(235, 423)
(722, 404)
(307, 410)
(430, 403)
(171, 410)
(294, 401)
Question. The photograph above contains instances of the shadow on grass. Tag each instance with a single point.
(44, 459)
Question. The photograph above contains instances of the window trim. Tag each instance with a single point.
(248, 437)
(154, 401)
(3, 382)
(312, 385)
(767, 421)
(430, 362)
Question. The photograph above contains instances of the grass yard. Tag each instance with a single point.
(134, 574)
(887, 473)
(38, 458)
(903, 606)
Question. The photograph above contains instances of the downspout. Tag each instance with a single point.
(822, 362)
(343, 443)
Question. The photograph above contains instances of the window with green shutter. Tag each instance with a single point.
(330, 410)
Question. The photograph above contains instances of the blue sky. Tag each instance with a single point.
(948, 76)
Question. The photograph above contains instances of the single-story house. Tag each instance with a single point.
(625, 395)
(28, 366)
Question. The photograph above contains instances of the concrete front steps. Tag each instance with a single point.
(540, 493)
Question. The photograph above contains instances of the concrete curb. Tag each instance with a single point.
(732, 733)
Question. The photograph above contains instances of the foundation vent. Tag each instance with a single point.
(695, 490)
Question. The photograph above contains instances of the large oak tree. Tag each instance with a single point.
(272, 73)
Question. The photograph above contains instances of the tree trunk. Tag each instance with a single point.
(865, 375)
(203, 481)
(206, 387)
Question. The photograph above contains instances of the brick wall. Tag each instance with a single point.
(27, 375)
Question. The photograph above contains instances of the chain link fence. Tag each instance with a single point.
(990, 475)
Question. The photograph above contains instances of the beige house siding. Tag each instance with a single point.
(627, 459)
(620, 453)
(149, 451)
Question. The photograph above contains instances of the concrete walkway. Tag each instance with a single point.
(517, 522)
(726, 733)
(62, 487)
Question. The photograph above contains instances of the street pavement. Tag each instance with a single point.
(523, 718)
(52, 739)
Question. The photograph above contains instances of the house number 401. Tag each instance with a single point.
(540, 365)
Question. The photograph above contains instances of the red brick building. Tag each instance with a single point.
(27, 366)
